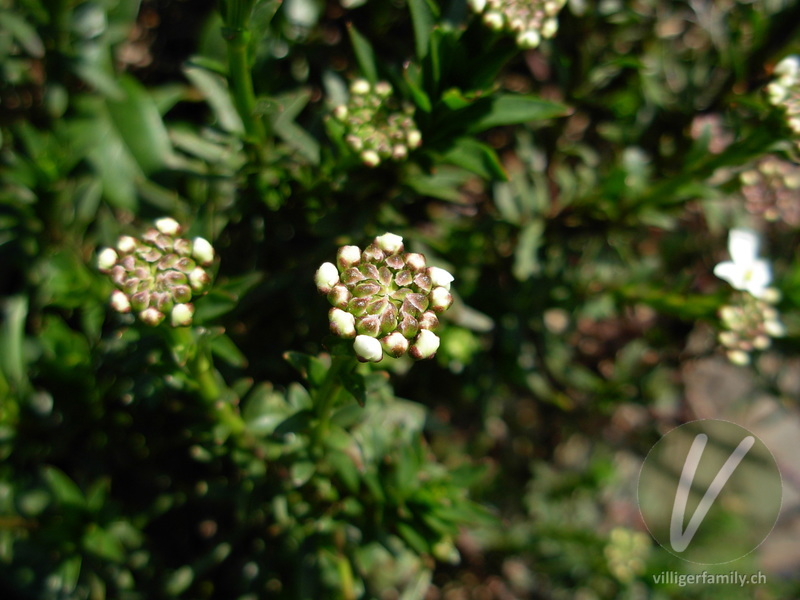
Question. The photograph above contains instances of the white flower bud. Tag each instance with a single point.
(348, 256)
(738, 357)
(367, 349)
(120, 302)
(493, 20)
(477, 5)
(126, 244)
(549, 28)
(395, 344)
(326, 277)
(106, 259)
(342, 323)
(340, 112)
(425, 346)
(383, 89)
(441, 299)
(360, 87)
(415, 261)
(440, 277)
(399, 152)
(774, 328)
(528, 39)
(390, 243)
(199, 279)
(151, 316)
(202, 251)
(414, 139)
(181, 315)
(370, 158)
(168, 226)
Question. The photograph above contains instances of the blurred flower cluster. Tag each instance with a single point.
(626, 553)
(771, 190)
(385, 298)
(784, 92)
(375, 126)
(750, 320)
(529, 20)
(158, 274)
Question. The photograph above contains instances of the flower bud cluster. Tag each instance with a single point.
(749, 324)
(375, 128)
(771, 189)
(626, 553)
(529, 20)
(784, 92)
(385, 299)
(158, 274)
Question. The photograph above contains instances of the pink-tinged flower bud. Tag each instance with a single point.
(167, 261)
(357, 306)
(441, 299)
(151, 316)
(340, 112)
(118, 275)
(413, 139)
(395, 344)
(395, 262)
(352, 276)
(202, 251)
(415, 261)
(182, 247)
(126, 244)
(168, 226)
(493, 20)
(342, 323)
(429, 321)
(164, 301)
(383, 89)
(373, 254)
(106, 259)
(182, 293)
(181, 315)
(425, 346)
(423, 282)
(399, 152)
(140, 301)
(408, 326)
(151, 255)
(185, 265)
(199, 279)
(339, 296)
(368, 349)
(120, 302)
(440, 277)
(326, 277)
(348, 256)
(414, 304)
(369, 325)
(528, 39)
(390, 243)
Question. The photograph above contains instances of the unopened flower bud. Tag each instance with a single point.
(528, 39)
(181, 315)
(106, 259)
(202, 251)
(413, 139)
(168, 226)
(493, 20)
(340, 112)
(360, 87)
(326, 277)
(738, 357)
(339, 296)
(395, 344)
(342, 323)
(429, 320)
(368, 349)
(120, 302)
(415, 261)
(477, 5)
(399, 152)
(126, 244)
(140, 301)
(441, 299)
(199, 279)
(182, 247)
(181, 294)
(348, 256)
(370, 158)
(151, 316)
(390, 243)
(440, 277)
(425, 346)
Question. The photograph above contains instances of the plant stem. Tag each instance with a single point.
(323, 400)
(241, 83)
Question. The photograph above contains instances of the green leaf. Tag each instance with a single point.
(13, 335)
(23, 32)
(423, 16)
(301, 471)
(354, 383)
(476, 157)
(411, 75)
(102, 544)
(526, 259)
(365, 55)
(179, 581)
(513, 109)
(64, 489)
(264, 410)
(442, 184)
(288, 107)
(214, 89)
(413, 538)
(224, 347)
(311, 368)
(139, 123)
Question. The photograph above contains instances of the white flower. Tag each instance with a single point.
(368, 348)
(745, 271)
(440, 277)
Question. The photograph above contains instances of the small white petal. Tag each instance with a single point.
(168, 226)
(368, 348)
(743, 246)
(757, 278)
(731, 273)
(440, 277)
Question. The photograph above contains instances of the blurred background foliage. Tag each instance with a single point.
(581, 194)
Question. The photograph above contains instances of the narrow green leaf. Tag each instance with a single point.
(102, 544)
(64, 489)
(13, 334)
(301, 471)
(365, 55)
(139, 123)
(310, 367)
(513, 109)
(423, 15)
(413, 538)
(223, 347)
(476, 157)
(23, 32)
(214, 89)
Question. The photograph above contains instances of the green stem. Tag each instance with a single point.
(323, 399)
(241, 82)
